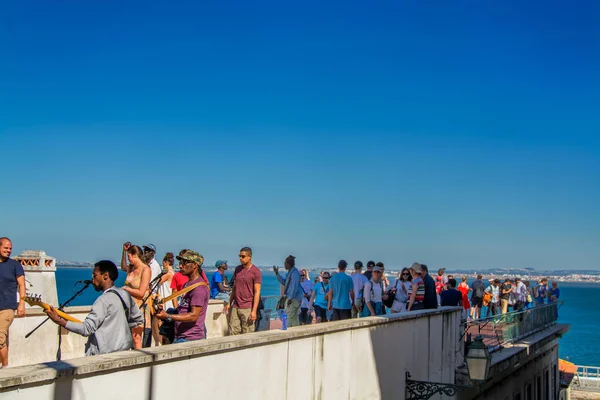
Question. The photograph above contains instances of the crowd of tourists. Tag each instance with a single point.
(158, 305)
(340, 295)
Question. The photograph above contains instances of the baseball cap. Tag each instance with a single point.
(358, 265)
(221, 262)
(377, 269)
(192, 256)
(370, 264)
(150, 246)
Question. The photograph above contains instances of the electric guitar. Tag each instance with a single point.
(36, 300)
(155, 301)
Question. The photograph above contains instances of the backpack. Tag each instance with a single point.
(478, 289)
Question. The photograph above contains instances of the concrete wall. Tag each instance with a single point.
(42, 345)
(355, 359)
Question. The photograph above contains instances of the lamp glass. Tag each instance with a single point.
(478, 360)
(477, 369)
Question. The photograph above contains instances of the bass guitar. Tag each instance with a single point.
(36, 300)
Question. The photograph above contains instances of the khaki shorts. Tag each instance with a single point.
(240, 322)
(6, 318)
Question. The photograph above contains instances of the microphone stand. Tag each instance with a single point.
(153, 287)
(61, 307)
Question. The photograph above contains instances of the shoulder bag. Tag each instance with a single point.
(281, 302)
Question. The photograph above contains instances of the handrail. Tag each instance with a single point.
(501, 329)
(587, 378)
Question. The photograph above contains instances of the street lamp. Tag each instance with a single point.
(478, 365)
(478, 361)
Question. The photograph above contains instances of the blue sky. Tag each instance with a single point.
(458, 134)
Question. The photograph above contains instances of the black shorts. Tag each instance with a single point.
(341, 314)
(321, 313)
(477, 302)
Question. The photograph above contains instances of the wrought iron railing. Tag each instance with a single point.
(587, 378)
(501, 329)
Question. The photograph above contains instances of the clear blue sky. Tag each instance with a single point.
(458, 134)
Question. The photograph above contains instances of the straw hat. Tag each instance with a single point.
(416, 267)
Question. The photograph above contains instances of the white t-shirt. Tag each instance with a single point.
(165, 291)
(359, 281)
(154, 268)
(377, 292)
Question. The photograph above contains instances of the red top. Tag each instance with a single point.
(179, 280)
(243, 281)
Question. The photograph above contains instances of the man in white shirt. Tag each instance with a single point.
(373, 294)
(359, 281)
(520, 294)
(149, 254)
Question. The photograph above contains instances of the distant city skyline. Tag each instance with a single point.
(458, 136)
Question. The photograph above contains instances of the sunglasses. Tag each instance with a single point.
(325, 277)
(405, 273)
(303, 276)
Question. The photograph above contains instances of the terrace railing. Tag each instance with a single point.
(501, 329)
(587, 378)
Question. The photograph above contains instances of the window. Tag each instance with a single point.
(538, 392)
(528, 392)
(554, 387)
(546, 383)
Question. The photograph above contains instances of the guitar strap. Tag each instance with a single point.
(125, 308)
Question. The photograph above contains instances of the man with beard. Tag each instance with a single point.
(113, 314)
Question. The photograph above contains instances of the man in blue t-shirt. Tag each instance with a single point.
(451, 296)
(341, 293)
(218, 290)
(11, 277)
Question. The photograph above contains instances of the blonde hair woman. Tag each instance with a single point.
(417, 289)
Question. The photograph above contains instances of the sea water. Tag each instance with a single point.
(579, 345)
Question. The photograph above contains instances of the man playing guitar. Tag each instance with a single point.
(113, 314)
(190, 315)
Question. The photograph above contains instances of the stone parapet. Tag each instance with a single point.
(36, 260)
(359, 358)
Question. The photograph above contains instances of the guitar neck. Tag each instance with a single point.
(61, 314)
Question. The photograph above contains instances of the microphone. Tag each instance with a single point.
(163, 272)
(86, 282)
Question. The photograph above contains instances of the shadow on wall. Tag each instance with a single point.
(64, 388)
(418, 347)
(389, 359)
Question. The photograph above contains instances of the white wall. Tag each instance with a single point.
(356, 359)
(42, 345)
